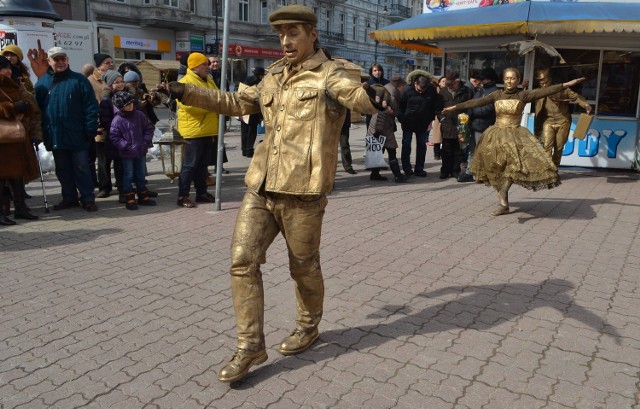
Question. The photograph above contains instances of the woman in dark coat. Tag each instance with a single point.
(376, 76)
(19, 163)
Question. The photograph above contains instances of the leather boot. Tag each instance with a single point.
(503, 199)
(375, 175)
(130, 200)
(298, 341)
(144, 199)
(395, 168)
(4, 220)
(240, 363)
(21, 209)
(5, 195)
(248, 302)
(309, 308)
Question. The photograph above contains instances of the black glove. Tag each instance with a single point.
(376, 90)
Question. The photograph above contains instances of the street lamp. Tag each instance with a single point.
(384, 11)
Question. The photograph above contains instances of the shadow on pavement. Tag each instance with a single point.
(476, 308)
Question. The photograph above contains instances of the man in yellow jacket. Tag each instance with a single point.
(197, 126)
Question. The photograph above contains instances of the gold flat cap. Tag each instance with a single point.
(292, 15)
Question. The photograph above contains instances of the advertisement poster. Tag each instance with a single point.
(610, 143)
(436, 6)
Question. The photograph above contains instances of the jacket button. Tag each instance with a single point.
(281, 107)
(278, 128)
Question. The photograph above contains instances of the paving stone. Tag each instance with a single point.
(430, 301)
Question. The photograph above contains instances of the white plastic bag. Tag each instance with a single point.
(373, 156)
(47, 164)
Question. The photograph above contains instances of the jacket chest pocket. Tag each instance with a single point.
(266, 100)
(304, 104)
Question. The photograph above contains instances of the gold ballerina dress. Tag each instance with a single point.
(507, 151)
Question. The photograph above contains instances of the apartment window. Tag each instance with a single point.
(192, 6)
(217, 8)
(354, 29)
(243, 10)
(147, 1)
(342, 20)
(282, 3)
(264, 12)
(170, 3)
(119, 1)
(327, 23)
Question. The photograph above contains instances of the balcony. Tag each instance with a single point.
(330, 38)
(144, 16)
(396, 12)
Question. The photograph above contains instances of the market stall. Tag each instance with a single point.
(597, 40)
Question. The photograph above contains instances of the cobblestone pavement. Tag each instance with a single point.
(430, 301)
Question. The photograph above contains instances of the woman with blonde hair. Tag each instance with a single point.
(19, 70)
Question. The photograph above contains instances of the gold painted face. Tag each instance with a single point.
(297, 42)
(544, 82)
(511, 79)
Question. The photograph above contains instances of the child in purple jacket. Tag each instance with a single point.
(132, 133)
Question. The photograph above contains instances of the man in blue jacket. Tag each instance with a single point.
(69, 123)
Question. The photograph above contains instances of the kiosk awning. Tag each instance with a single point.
(525, 18)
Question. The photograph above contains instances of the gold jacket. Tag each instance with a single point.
(555, 108)
(303, 114)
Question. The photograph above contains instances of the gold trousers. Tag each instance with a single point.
(261, 217)
(554, 136)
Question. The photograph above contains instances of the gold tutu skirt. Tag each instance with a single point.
(513, 154)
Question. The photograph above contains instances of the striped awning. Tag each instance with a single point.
(524, 18)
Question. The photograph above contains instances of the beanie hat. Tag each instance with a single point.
(111, 76)
(12, 48)
(131, 76)
(196, 59)
(99, 58)
(121, 99)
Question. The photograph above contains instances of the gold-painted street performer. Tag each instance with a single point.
(553, 120)
(508, 153)
(303, 100)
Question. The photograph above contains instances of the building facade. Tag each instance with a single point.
(165, 29)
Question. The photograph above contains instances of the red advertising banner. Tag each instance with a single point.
(245, 51)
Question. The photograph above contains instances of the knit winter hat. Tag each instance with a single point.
(99, 58)
(131, 76)
(110, 77)
(12, 48)
(121, 99)
(196, 59)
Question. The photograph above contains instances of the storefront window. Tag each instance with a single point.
(498, 60)
(619, 78)
(619, 83)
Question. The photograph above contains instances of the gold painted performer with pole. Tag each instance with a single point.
(303, 99)
(553, 120)
(508, 153)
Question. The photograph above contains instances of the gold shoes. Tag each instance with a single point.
(298, 341)
(500, 210)
(240, 364)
